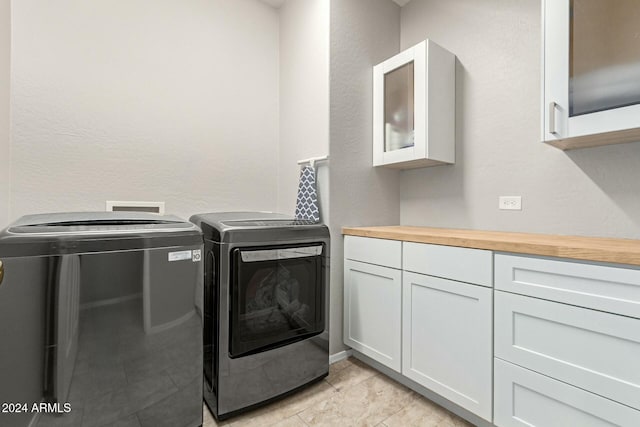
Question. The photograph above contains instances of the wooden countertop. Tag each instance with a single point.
(623, 251)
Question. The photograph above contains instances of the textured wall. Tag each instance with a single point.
(304, 95)
(363, 33)
(5, 148)
(585, 192)
(162, 100)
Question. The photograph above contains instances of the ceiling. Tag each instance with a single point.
(278, 3)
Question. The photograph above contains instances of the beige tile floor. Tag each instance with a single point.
(353, 394)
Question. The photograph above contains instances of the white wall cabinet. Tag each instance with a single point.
(447, 336)
(414, 108)
(591, 93)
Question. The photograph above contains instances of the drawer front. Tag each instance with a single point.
(446, 343)
(374, 251)
(449, 262)
(596, 351)
(372, 306)
(524, 398)
(611, 289)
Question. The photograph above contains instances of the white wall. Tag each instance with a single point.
(363, 33)
(585, 192)
(304, 97)
(5, 148)
(163, 100)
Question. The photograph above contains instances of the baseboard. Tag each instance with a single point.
(340, 356)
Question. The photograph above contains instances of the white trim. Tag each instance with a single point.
(345, 354)
(110, 204)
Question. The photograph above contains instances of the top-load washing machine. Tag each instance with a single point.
(266, 307)
(101, 321)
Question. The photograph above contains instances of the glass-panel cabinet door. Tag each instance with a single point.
(604, 55)
(591, 70)
(398, 108)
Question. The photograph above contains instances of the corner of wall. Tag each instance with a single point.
(363, 33)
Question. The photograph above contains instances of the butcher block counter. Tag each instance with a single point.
(623, 251)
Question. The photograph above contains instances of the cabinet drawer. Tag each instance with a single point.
(374, 251)
(592, 350)
(611, 289)
(449, 262)
(372, 307)
(447, 335)
(524, 398)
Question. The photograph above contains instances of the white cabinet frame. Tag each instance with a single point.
(600, 128)
(434, 108)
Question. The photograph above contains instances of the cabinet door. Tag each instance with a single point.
(591, 68)
(372, 307)
(589, 349)
(447, 338)
(524, 398)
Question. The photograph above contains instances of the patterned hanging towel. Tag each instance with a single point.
(307, 203)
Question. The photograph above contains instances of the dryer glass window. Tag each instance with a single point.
(277, 296)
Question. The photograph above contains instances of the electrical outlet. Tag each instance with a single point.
(513, 203)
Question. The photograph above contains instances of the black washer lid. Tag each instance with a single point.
(76, 232)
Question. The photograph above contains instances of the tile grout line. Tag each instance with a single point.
(399, 410)
(332, 386)
(358, 383)
(300, 418)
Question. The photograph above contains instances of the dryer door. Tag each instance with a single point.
(277, 296)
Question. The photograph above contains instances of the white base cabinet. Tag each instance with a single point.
(556, 344)
(447, 336)
(567, 343)
(372, 304)
(435, 331)
(524, 398)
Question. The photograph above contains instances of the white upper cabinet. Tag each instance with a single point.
(591, 93)
(414, 108)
